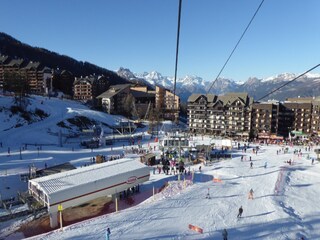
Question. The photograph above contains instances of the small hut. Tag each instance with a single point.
(148, 159)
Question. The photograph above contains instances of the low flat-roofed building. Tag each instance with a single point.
(74, 187)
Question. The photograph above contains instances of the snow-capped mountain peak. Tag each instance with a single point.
(125, 73)
(312, 75)
(154, 75)
(282, 76)
(191, 80)
(255, 87)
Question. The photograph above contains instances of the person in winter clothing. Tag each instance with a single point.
(250, 196)
(208, 194)
(240, 212)
(108, 234)
(225, 234)
(251, 164)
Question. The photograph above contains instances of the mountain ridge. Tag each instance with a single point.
(14, 48)
(305, 86)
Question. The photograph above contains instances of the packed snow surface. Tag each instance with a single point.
(284, 205)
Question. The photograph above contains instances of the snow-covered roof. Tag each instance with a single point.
(70, 179)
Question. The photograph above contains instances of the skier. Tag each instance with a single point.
(200, 169)
(208, 194)
(240, 212)
(312, 161)
(265, 165)
(250, 196)
(108, 234)
(225, 234)
(251, 164)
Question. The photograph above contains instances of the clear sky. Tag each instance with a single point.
(141, 34)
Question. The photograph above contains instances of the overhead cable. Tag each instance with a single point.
(177, 55)
(244, 32)
(288, 82)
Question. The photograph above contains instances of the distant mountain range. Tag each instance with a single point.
(305, 86)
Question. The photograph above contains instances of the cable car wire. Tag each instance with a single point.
(233, 50)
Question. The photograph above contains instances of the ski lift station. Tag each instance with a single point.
(183, 141)
(75, 187)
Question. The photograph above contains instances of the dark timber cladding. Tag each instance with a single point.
(301, 114)
(235, 114)
(264, 118)
(220, 115)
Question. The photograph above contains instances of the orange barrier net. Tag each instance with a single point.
(195, 228)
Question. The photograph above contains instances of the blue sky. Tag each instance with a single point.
(141, 34)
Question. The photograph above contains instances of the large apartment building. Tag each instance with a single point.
(3, 61)
(220, 115)
(167, 103)
(82, 88)
(315, 117)
(236, 114)
(305, 114)
(37, 77)
(89, 87)
(264, 119)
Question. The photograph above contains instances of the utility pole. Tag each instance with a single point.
(179, 148)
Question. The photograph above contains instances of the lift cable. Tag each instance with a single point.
(177, 55)
(283, 85)
(236, 46)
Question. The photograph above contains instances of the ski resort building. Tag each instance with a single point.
(226, 115)
(75, 187)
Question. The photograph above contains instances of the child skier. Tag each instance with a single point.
(208, 194)
(250, 196)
